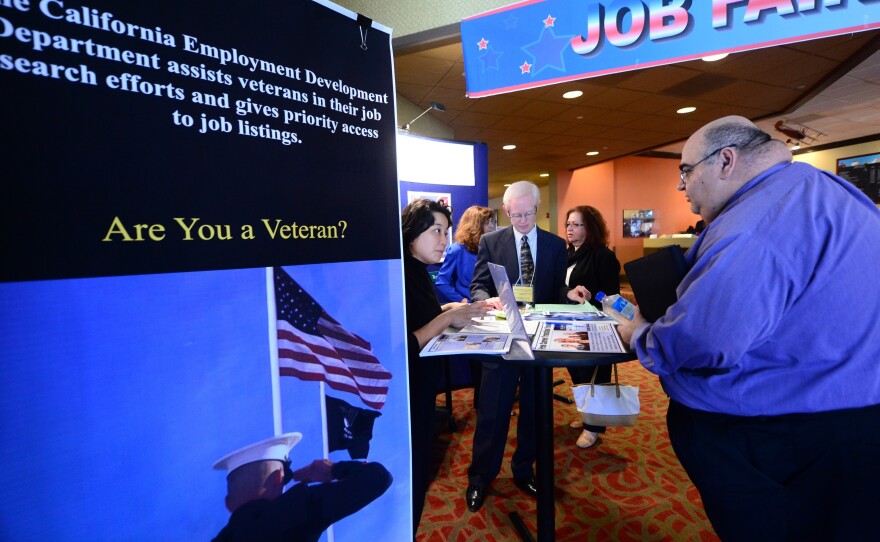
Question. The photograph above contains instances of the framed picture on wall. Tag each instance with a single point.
(863, 172)
(443, 198)
(638, 222)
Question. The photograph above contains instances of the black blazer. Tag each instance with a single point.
(596, 269)
(500, 247)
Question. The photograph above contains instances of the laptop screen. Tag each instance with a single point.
(508, 301)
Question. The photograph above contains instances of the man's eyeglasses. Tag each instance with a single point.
(685, 169)
(520, 216)
(573, 224)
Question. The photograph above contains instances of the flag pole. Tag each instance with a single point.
(273, 351)
(324, 421)
(331, 537)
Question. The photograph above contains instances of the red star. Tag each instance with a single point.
(483, 43)
(548, 22)
(526, 68)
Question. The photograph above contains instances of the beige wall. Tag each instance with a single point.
(406, 17)
(827, 160)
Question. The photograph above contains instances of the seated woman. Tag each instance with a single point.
(425, 228)
(593, 265)
(453, 283)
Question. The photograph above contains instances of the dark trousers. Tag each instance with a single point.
(424, 376)
(582, 375)
(797, 477)
(497, 392)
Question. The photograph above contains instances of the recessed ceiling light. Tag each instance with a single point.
(688, 109)
(592, 153)
(545, 175)
(573, 94)
(580, 117)
(509, 147)
(713, 58)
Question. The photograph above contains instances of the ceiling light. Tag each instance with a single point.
(573, 94)
(545, 175)
(713, 58)
(509, 147)
(580, 117)
(592, 153)
(685, 110)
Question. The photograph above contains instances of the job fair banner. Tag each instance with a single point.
(199, 230)
(543, 42)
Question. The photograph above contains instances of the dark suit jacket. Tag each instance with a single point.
(500, 247)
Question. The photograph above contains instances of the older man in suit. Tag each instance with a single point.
(535, 261)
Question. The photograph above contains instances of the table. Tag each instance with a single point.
(543, 365)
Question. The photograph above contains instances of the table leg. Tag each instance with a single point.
(544, 472)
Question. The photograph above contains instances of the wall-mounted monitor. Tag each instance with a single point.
(863, 171)
(638, 222)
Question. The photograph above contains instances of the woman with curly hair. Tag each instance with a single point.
(593, 265)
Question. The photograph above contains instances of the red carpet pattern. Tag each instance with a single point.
(629, 487)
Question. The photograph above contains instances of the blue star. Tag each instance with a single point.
(510, 22)
(489, 59)
(547, 51)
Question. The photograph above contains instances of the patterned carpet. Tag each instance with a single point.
(629, 487)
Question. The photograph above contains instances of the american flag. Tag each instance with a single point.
(313, 346)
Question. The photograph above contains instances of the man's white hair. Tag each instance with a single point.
(520, 189)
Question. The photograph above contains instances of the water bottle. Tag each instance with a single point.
(616, 307)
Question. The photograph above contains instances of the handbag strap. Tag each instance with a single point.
(593, 381)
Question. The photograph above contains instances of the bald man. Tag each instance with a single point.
(771, 355)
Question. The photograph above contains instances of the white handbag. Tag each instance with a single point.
(611, 404)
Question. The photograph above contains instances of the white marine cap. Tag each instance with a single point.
(276, 448)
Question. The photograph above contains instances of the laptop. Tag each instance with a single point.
(520, 347)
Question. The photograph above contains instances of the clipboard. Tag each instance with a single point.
(655, 279)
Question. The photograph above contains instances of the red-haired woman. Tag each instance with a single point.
(593, 265)
(454, 280)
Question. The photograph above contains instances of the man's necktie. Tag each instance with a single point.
(527, 264)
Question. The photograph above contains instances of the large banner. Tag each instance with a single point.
(543, 42)
(199, 230)
(151, 137)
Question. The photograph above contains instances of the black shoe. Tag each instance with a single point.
(474, 497)
(528, 485)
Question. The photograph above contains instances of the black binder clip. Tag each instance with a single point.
(364, 24)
